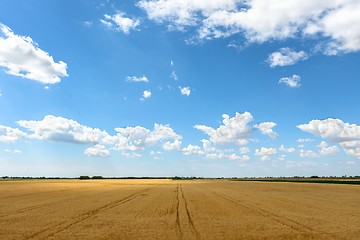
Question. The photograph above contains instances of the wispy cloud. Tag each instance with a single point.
(285, 57)
(120, 23)
(293, 81)
(143, 78)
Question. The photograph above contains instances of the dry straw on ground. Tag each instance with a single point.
(167, 209)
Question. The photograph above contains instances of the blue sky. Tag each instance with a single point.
(179, 87)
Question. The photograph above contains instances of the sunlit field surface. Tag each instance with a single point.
(168, 209)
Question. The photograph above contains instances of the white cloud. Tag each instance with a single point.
(87, 23)
(146, 94)
(307, 154)
(207, 146)
(322, 144)
(10, 135)
(172, 146)
(327, 151)
(265, 158)
(334, 23)
(185, 91)
(193, 150)
(131, 155)
(172, 63)
(232, 156)
(120, 23)
(16, 151)
(333, 129)
(59, 129)
(97, 151)
(173, 75)
(153, 153)
(286, 57)
(137, 138)
(293, 81)
(337, 131)
(266, 128)
(288, 150)
(301, 140)
(21, 56)
(265, 151)
(143, 78)
(234, 130)
(244, 150)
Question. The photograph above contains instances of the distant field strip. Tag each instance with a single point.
(167, 209)
(329, 181)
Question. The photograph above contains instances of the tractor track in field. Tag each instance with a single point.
(299, 227)
(188, 214)
(62, 226)
(184, 221)
(179, 232)
(37, 206)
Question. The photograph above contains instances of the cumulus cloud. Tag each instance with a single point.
(21, 56)
(265, 151)
(337, 131)
(146, 94)
(185, 91)
(207, 146)
(234, 130)
(172, 146)
(285, 57)
(333, 129)
(137, 138)
(332, 23)
(351, 147)
(266, 128)
(120, 23)
(329, 151)
(10, 135)
(59, 129)
(325, 150)
(288, 150)
(308, 154)
(293, 81)
(192, 150)
(97, 151)
(143, 78)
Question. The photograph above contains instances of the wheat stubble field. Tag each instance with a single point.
(168, 209)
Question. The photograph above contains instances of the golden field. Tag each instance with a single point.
(169, 209)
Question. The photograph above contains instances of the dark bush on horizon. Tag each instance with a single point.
(84, 177)
(97, 177)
